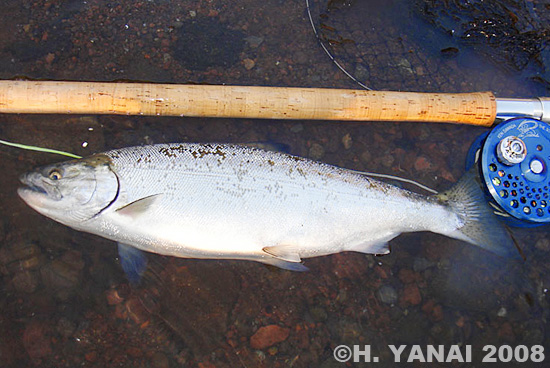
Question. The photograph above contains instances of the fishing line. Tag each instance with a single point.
(328, 52)
(39, 149)
(397, 178)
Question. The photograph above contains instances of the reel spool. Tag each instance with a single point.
(513, 161)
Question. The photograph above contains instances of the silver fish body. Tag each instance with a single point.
(232, 202)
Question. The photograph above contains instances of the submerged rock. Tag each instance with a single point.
(36, 339)
(316, 151)
(387, 294)
(411, 295)
(267, 336)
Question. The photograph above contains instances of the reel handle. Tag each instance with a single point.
(53, 97)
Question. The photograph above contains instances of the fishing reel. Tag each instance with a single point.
(513, 161)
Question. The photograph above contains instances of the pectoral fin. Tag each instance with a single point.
(138, 207)
(133, 262)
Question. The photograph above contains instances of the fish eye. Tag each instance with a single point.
(55, 175)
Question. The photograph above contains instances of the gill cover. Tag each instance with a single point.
(71, 192)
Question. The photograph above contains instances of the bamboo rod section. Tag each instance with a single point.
(49, 97)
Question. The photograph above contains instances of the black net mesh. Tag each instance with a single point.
(438, 45)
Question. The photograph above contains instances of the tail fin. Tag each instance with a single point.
(481, 226)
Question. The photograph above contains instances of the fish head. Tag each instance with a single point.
(71, 192)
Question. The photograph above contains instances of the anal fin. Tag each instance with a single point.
(379, 246)
(284, 256)
(285, 252)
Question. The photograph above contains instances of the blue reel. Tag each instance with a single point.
(513, 162)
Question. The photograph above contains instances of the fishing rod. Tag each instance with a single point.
(55, 97)
(513, 159)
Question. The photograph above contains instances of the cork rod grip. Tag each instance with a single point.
(49, 97)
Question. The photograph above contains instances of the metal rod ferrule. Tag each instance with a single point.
(536, 108)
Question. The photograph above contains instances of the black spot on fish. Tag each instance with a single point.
(209, 149)
(97, 160)
(168, 152)
(179, 148)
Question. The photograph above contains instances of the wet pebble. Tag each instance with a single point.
(91, 356)
(316, 151)
(366, 157)
(135, 310)
(318, 314)
(437, 313)
(543, 244)
(448, 334)
(347, 142)
(411, 295)
(297, 128)
(37, 341)
(434, 311)
(533, 333)
(421, 264)
(114, 296)
(387, 294)
(25, 281)
(387, 160)
(19, 256)
(349, 330)
(267, 336)
(134, 352)
(64, 273)
(301, 57)
(408, 276)
(449, 52)
(361, 72)
(506, 332)
(65, 327)
(21, 261)
(249, 63)
(254, 41)
(422, 164)
(160, 360)
(405, 66)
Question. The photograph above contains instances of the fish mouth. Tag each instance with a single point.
(32, 188)
(32, 193)
(33, 196)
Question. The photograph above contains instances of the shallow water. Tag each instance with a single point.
(65, 299)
